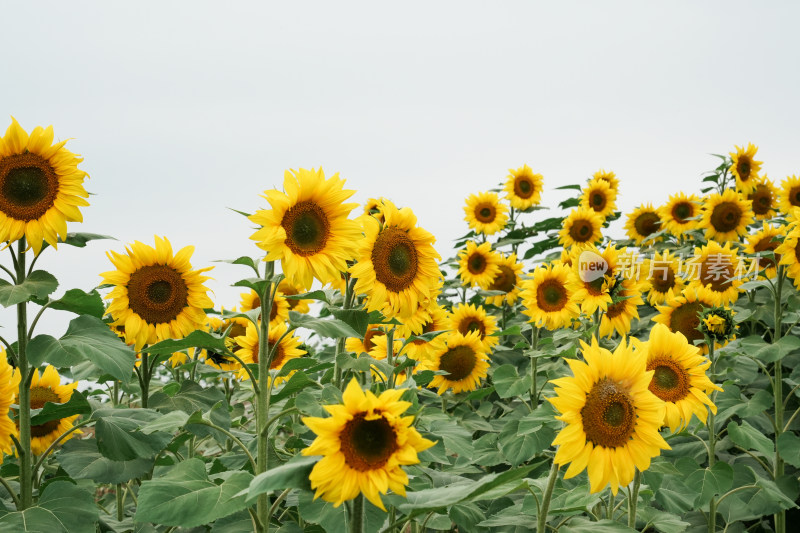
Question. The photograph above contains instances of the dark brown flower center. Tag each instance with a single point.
(663, 279)
(762, 200)
(598, 200)
(717, 270)
(523, 187)
(581, 230)
(157, 293)
(670, 380)
(469, 324)
(681, 211)
(609, 416)
(40, 396)
(726, 217)
(505, 280)
(485, 212)
(794, 196)
(551, 296)
(743, 168)
(367, 444)
(767, 243)
(307, 228)
(476, 264)
(685, 320)
(371, 332)
(394, 258)
(28, 186)
(458, 362)
(647, 223)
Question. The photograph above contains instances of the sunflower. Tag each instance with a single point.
(396, 265)
(599, 197)
(612, 419)
(661, 277)
(717, 323)
(745, 167)
(425, 320)
(679, 377)
(681, 314)
(677, 214)
(609, 177)
(380, 348)
(478, 264)
(726, 216)
(524, 188)
(790, 194)
(374, 208)
(156, 294)
(789, 252)
(286, 288)
(175, 360)
(624, 307)
(41, 187)
(485, 213)
(582, 226)
(47, 388)
(596, 273)
(280, 305)
(367, 344)
(235, 327)
(363, 443)
(7, 392)
(464, 359)
(507, 280)
(307, 227)
(767, 239)
(288, 348)
(643, 222)
(764, 199)
(549, 297)
(713, 271)
(467, 318)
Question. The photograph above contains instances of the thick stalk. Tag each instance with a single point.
(145, 379)
(357, 520)
(534, 360)
(263, 394)
(120, 503)
(541, 526)
(712, 441)
(347, 301)
(25, 456)
(780, 518)
(634, 499)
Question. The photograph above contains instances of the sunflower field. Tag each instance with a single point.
(547, 376)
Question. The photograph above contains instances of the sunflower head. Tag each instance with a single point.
(582, 226)
(467, 318)
(767, 239)
(789, 198)
(609, 177)
(745, 167)
(599, 197)
(714, 270)
(726, 216)
(681, 314)
(642, 223)
(478, 264)
(8, 390)
(374, 208)
(789, 252)
(523, 188)
(463, 359)
(678, 214)
(507, 280)
(764, 199)
(41, 187)
(549, 297)
(485, 213)
(717, 324)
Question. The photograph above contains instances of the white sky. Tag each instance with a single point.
(182, 109)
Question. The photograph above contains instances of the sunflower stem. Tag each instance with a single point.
(120, 503)
(712, 441)
(634, 499)
(264, 393)
(144, 379)
(357, 520)
(347, 301)
(25, 456)
(534, 360)
(541, 526)
(780, 517)
(597, 325)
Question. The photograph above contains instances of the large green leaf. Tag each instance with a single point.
(329, 328)
(77, 405)
(186, 497)
(789, 447)
(195, 339)
(81, 459)
(710, 482)
(80, 239)
(119, 437)
(292, 475)
(80, 302)
(39, 284)
(87, 339)
(62, 508)
(520, 446)
(750, 438)
(508, 383)
(192, 398)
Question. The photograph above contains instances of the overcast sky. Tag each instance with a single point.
(184, 109)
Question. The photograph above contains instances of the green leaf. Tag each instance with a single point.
(582, 525)
(77, 405)
(777, 351)
(244, 260)
(317, 295)
(789, 448)
(119, 438)
(661, 521)
(520, 447)
(80, 302)
(168, 423)
(186, 497)
(256, 284)
(195, 339)
(39, 284)
(750, 438)
(80, 239)
(292, 475)
(87, 339)
(62, 508)
(192, 398)
(712, 481)
(81, 459)
(331, 328)
(296, 383)
(507, 382)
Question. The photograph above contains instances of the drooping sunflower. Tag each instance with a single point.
(612, 419)
(367, 344)
(726, 216)
(41, 187)
(679, 377)
(764, 199)
(717, 324)
(307, 227)
(523, 188)
(681, 314)
(789, 194)
(624, 307)
(234, 328)
(713, 272)
(609, 177)
(364, 443)
(599, 197)
(549, 297)
(661, 277)
(396, 266)
(642, 223)
(426, 320)
(467, 318)
(47, 388)
(374, 208)
(478, 264)
(464, 359)
(156, 294)
(507, 280)
(789, 252)
(745, 167)
(8, 390)
(247, 349)
(767, 239)
(596, 275)
(582, 226)
(677, 214)
(280, 306)
(485, 213)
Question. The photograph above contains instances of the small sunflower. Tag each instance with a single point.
(286, 288)
(767, 239)
(464, 359)
(235, 327)
(307, 227)
(764, 199)
(609, 177)
(47, 388)
(41, 187)
(478, 264)
(599, 197)
(681, 314)
(425, 320)
(485, 213)
(374, 208)
(280, 306)
(549, 297)
(677, 213)
(624, 307)
(745, 167)
(8, 390)
(714, 272)
(789, 194)
(679, 377)
(507, 280)
(156, 294)
(524, 188)
(612, 419)
(726, 216)
(643, 222)
(288, 348)
(364, 443)
(789, 252)
(717, 323)
(367, 344)
(661, 277)
(582, 226)
(467, 318)
(596, 273)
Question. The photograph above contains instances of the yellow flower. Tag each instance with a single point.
(549, 297)
(767, 239)
(425, 320)
(462, 357)
(715, 323)
(507, 280)
(612, 419)
(280, 306)
(234, 328)
(41, 187)
(713, 271)
(288, 348)
(681, 314)
(478, 264)
(599, 197)
(485, 213)
(524, 188)
(596, 274)
(790, 194)
(307, 227)
(789, 253)
(643, 222)
(764, 199)
(582, 226)
(619, 314)
(374, 208)
(467, 318)
(726, 216)
(156, 294)
(8, 390)
(745, 167)
(677, 213)
(373, 344)
(363, 444)
(609, 177)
